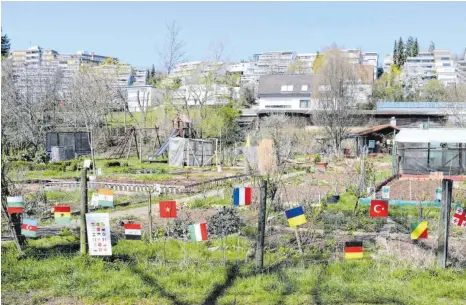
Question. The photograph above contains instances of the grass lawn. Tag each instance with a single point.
(196, 275)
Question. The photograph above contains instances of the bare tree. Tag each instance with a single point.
(30, 103)
(91, 97)
(172, 52)
(336, 90)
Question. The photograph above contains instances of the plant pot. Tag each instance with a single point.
(322, 165)
(333, 199)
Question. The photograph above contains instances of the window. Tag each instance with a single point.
(277, 106)
(304, 87)
(446, 65)
(287, 88)
(445, 58)
(304, 103)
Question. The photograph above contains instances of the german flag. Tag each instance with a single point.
(353, 250)
(62, 214)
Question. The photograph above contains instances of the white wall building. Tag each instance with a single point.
(194, 95)
(143, 97)
(387, 63)
(371, 59)
(445, 67)
(461, 69)
(308, 60)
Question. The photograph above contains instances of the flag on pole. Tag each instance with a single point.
(62, 214)
(379, 208)
(105, 198)
(295, 216)
(460, 217)
(15, 204)
(167, 209)
(29, 227)
(198, 231)
(133, 231)
(242, 196)
(353, 250)
(419, 230)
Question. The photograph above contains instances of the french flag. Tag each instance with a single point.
(242, 196)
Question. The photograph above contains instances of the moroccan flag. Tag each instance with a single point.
(15, 204)
(295, 216)
(353, 250)
(167, 209)
(459, 218)
(62, 214)
(419, 230)
(379, 208)
(198, 232)
(242, 196)
(133, 231)
(29, 227)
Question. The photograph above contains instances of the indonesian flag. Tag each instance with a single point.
(15, 204)
(167, 209)
(198, 232)
(460, 217)
(29, 227)
(242, 196)
(133, 231)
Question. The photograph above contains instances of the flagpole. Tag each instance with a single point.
(298, 239)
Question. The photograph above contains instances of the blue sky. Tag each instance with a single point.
(132, 31)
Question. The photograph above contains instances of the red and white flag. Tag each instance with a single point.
(379, 208)
(460, 217)
(133, 231)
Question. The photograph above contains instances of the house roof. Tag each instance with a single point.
(270, 85)
(378, 129)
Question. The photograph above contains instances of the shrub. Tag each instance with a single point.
(125, 164)
(225, 222)
(112, 163)
(70, 168)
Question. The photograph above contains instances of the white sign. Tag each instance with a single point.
(438, 194)
(99, 172)
(87, 163)
(386, 192)
(98, 234)
(95, 200)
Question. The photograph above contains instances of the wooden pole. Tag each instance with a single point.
(298, 240)
(444, 224)
(150, 217)
(261, 225)
(82, 216)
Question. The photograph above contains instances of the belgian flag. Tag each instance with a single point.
(353, 250)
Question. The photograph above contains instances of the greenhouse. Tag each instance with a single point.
(422, 151)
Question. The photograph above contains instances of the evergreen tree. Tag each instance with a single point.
(409, 46)
(401, 53)
(415, 48)
(431, 47)
(395, 54)
(5, 45)
(152, 72)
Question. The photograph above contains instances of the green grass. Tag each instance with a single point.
(135, 276)
(209, 202)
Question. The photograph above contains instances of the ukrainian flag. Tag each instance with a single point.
(295, 216)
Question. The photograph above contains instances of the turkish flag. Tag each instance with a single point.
(379, 208)
(167, 209)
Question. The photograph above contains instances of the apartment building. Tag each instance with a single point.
(461, 69)
(273, 62)
(308, 61)
(371, 59)
(245, 69)
(387, 63)
(422, 66)
(445, 67)
(194, 95)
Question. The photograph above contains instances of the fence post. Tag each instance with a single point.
(261, 225)
(444, 224)
(150, 217)
(82, 216)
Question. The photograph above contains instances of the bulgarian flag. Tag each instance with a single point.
(15, 204)
(198, 232)
(62, 214)
(29, 227)
(242, 196)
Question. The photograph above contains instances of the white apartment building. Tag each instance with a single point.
(245, 69)
(387, 63)
(422, 66)
(194, 95)
(308, 60)
(142, 97)
(371, 59)
(461, 69)
(445, 67)
(273, 62)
